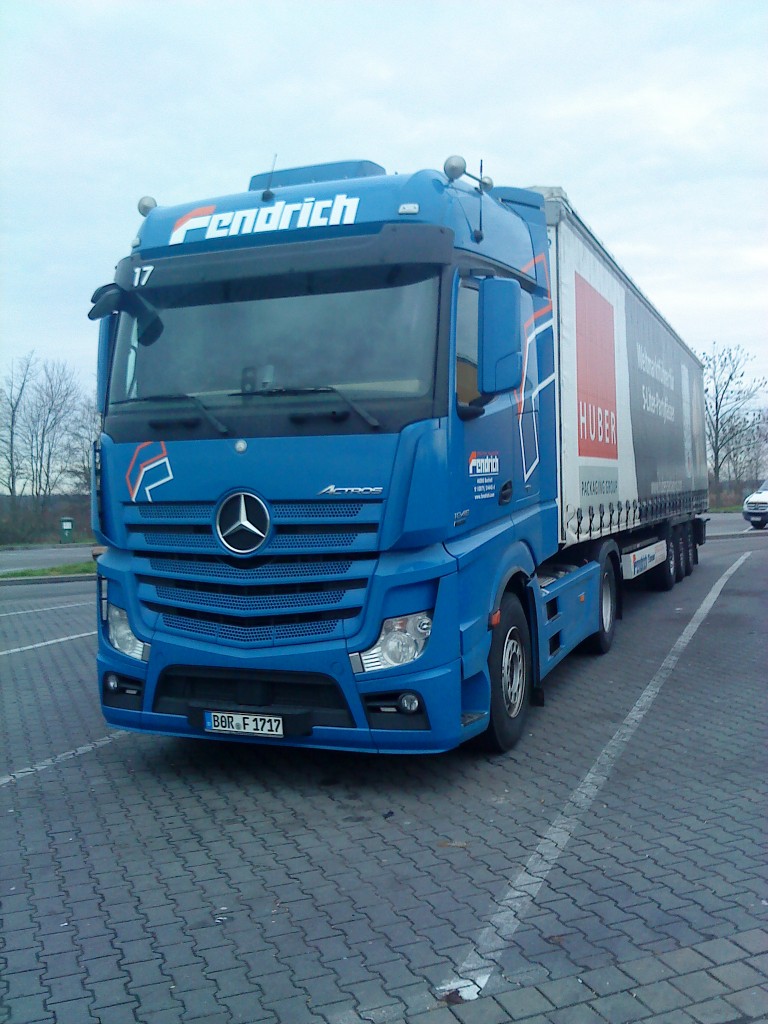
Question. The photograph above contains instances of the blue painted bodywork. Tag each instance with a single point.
(429, 533)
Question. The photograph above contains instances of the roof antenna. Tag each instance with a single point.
(478, 234)
(268, 194)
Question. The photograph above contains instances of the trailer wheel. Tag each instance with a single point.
(601, 641)
(664, 576)
(679, 542)
(689, 550)
(510, 667)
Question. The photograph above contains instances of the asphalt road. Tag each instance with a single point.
(725, 523)
(20, 559)
(609, 869)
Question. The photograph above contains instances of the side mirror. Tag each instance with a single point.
(500, 346)
(107, 328)
(106, 300)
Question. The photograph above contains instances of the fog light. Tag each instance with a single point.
(408, 703)
(112, 682)
(401, 640)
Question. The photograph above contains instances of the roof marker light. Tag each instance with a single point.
(146, 203)
(454, 167)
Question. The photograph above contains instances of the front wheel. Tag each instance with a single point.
(601, 641)
(510, 667)
(758, 526)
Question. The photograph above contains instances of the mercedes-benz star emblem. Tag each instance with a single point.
(242, 523)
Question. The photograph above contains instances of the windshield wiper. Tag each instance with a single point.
(180, 396)
(326, 389)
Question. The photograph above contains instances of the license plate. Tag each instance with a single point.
(238, 725)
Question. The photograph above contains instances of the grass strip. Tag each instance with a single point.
(73, 569)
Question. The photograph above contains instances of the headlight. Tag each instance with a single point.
(401, 641)
(122, 637)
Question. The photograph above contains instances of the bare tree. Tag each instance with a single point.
(731, 397)
(85, 430)
(14, 393)
(47, 428)
(745, 462)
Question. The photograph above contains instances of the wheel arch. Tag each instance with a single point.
(513, 577)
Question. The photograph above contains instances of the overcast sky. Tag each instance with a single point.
(652, 115)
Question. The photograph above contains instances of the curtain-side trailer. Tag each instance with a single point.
(631, 434)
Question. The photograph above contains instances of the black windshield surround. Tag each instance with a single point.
(353, 349)
(278, 356)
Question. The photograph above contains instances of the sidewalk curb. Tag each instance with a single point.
(17, 581)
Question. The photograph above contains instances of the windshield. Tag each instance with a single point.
(270, 347)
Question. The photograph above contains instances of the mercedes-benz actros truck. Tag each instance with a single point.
(377, 452)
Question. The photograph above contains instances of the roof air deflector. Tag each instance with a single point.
(316, 173)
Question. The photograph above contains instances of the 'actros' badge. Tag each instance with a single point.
(242, 523)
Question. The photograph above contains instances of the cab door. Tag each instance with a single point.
(496, 435)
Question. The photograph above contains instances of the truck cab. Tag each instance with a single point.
(321, 458)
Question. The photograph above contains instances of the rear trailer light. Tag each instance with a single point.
(401, 641)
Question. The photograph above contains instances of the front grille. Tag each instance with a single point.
(180, 689)
(308, 580)
(178, 511)
(250, 599)
(251, 633)
(271, 569)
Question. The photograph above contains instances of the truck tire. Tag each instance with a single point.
(601, 641)
(679, 541)
(510, 668)
(689, 550)
(664, 576)
(758, 526)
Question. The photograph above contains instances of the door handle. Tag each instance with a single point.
(505, 494)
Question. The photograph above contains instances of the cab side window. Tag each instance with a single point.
(466, 344)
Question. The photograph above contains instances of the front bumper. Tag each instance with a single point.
(445, 724)
(318, 686)
(755, 517)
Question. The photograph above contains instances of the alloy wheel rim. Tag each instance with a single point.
(606, 604)
(512, 673)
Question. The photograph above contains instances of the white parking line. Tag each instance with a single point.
(66, 756)
(51, 608)
(47, 643)
(478, 966)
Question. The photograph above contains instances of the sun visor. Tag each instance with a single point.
(393, 244)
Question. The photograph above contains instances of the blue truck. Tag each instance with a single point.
(377, 452)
